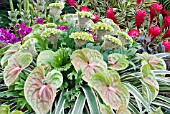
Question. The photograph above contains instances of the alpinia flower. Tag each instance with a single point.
(166, 35)
(140, 15)
(72, 3)
(138, 2)
(166, 44)
(133, 33)
(164, 12)
(153, 32)
(154, 9)
(110, 14)
(95, 18)
(84, 8)
(166, 22)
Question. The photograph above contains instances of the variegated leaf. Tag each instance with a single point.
(105, 109)
(4, 109)
(123, 110)
(17, 112)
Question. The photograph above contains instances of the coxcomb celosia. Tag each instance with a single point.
(133, 33)
(72, 3)
(84, 8)
(153, 32)
(110, 14)
(95, 18)
(166, 22)
(139, 18)
(154, 9)
(138, 2)
(166, 35)
(166, 44)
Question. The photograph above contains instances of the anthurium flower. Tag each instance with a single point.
(139, 18)
(133, 33)
(167, 34)
(166, 22)
(138, 2)
(164, 12)
(84, 8)
(153, 32)
(72, 3)
(166, 44)
(154, 9)
(95, 18)
(110, 14)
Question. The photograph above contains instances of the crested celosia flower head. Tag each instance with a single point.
(84, 8)
(154, 9)
(139, 18)
(167, 34)
(166, 22)
(133, 33)
(138, 2)
(110, 14)
(166, 44)
(72, 3)
(95, 18)
(153, 32)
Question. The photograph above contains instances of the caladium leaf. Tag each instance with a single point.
(4, 109)
(123, 110)
(13, 49)
(40, 91)
(149, 77)
(16, 64)
(105, 109)
(111, 90)
(117, 61)
(89, 61)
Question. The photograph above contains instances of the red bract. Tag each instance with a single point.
(84, 8)
(154, 31)
(138, 2)
(166, 44)
(166, 35)
(133, 33)
(72, 3)
(140, 15)
(95, 18)
(154, 9)
(166, 22)
(164, 12)
(110, 14)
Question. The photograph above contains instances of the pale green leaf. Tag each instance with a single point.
(17, 112)
(4, 109)
(158, 111)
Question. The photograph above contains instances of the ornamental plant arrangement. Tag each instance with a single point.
(79, 64)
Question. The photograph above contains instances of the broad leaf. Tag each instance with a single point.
(4, 109)
(16, 64)
(117, 62)
(112, 91)
(89, 61)
(17, 112)
(149, 78)
(105, 109)
(123, 110)
(158, 111)
(40, 91)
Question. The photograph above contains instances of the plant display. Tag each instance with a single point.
(56, 62)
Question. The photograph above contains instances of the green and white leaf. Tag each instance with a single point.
(4, 109)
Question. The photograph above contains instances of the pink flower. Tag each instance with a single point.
(133, 33)
(72, 3)
(140, 15)
(40, 21)
(138, 2)
(84, 8)
(166, 35)
(164, 12)
(166, 22)
(153, 32)
(166, 44)
(110, 14)
(95, 18)
(154, 9)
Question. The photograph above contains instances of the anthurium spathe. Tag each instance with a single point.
(166, 44)
(89, 61)
(112, 91)
(154, 9)
(139, 18)
(16, 64)
(40, 90)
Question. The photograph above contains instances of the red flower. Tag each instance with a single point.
(95, 18)
(166, 35)
(154, 31)
(140, 15)
(164, 12)
(110, 14)
(166, 22)
(166, 44)
(133, 33)
(72, 3)
(138, 2)
(84, 8)
(154, 8)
